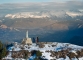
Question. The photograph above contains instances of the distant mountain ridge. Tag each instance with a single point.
(50, 21)
(50, 14)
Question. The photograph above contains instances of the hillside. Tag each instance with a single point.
(46, 29)
(49, 50)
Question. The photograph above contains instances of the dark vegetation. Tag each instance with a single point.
(3, 51)
(60, 54)
(38, 55)
(21, 54)
(64, 53)
(26, 54)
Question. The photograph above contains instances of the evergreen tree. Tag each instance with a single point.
(1, 45)
(38, 53)
(26, 54)
(2, 51)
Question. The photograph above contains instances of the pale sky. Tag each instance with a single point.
(23, 1)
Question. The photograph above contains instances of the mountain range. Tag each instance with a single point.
(61, 22)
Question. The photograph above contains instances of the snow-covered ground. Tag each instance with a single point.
(52, 46)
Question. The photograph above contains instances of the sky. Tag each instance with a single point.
(23, 1)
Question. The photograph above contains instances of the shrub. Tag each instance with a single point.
(38, 53)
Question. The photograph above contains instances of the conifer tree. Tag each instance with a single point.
(1, 45)
(38, 53)
(2, 51)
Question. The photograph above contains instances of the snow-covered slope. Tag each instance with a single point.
(43, 14)
(27, 15)
(74, 14)
(47, 50)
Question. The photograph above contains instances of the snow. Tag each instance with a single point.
(67, 58)
(74, 51)
(74, 14)
(74, 59)
(47, 47)
(44, 14)
(8, 57)
(27, 15)
(31, 58)
(61, 59)
(47, 55)
(81, 58)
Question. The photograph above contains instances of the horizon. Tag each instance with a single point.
(42, 18)
(34, 1)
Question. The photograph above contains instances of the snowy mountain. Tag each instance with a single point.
(50, 51)
(49, 14)
(27, 15)
(74, 14)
